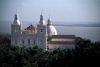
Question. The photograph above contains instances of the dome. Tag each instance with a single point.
(49, 21)
(16, 22)
(51, 30)
(42, 22)
(16, 14)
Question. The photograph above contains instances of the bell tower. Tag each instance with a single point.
(16, 25)
(16, 31)
(42, 33)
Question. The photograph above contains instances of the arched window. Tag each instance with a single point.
(16, 30)
(41, 30)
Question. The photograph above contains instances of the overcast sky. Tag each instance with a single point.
(59, 10)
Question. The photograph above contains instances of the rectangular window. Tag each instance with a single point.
(15, 42)
(29, 42)
(34, 41)
(22, 41)
(41, 42)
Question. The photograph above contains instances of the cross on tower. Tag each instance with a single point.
(49, 16)
(42, 11)
(16, 11)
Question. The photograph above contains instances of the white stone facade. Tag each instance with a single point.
(39, 37)
(29, 40)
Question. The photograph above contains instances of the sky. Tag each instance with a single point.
(60, 10)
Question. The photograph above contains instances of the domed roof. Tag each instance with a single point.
(31, 27)
(51, 30)
(16, 20)
(16, 14)
(42, 22)
(49, 21)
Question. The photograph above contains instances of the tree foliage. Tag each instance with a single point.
(5, 39)
(85, 53)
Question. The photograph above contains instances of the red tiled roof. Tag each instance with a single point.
(31, 27)
(61, 42)
(63, 37)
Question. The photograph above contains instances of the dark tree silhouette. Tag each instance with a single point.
(85, 53)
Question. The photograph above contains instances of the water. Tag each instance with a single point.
(92, 33)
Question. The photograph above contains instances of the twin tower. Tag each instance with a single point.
(39, 38)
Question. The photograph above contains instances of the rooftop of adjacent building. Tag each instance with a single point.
(63, 36)
(31, 27)
(61, 42)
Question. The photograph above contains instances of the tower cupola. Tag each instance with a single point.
(16, 26)
(16, 19)
(51, 30)
(41, 17)
(49, 21)
(42, 22)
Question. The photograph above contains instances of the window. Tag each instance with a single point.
(28, 42)
(34, 41)
(41, 30)
(16, 30)
(41, 42)
(16, 42)
(22, 41)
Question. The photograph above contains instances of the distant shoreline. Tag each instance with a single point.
(79, 25)
(69, 24)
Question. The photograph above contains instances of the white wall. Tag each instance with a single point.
(62, 46)
(63, 40)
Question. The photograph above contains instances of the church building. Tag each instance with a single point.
(44, 36)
